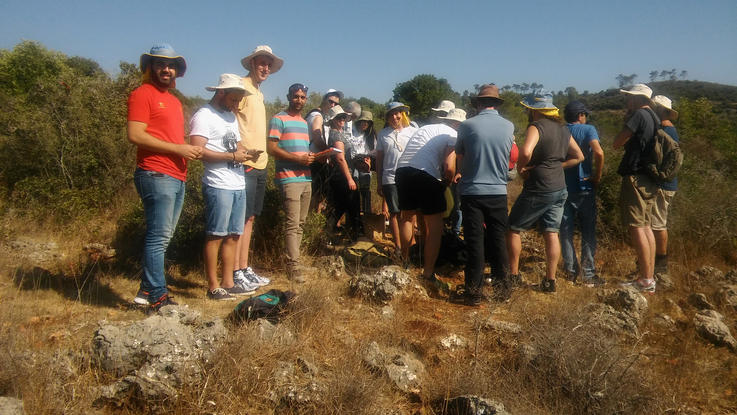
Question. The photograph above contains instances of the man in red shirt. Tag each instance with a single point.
(156, 127)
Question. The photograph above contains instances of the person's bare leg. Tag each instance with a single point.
(243, 246)
(406, 231)
(643, 241)
(433, 234)
(227, 254)
(552, 253)
(514, 248)
(210, 251)
(394, 223)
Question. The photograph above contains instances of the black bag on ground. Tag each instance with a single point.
(665, 157)
(268, 305)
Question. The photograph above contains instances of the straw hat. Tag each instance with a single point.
(335, 112)
(665, 103)
(366, 116)
(455, 114)
(266, 51)
(228, 81)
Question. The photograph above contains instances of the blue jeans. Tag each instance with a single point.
(225, 211)
(581, 206)
(162, 198)
(542, 208)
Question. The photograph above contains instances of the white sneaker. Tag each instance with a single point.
(261, 281)
(141, 298)
(240, 278)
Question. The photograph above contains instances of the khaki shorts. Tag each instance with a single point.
(660, 211)
(637, 200)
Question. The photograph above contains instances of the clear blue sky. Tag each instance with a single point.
(365, 48)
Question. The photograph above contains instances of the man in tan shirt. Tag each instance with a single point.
(252, 125)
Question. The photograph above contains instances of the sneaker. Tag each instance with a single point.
(220, 294)
(647, 287)
(165, 299)
(141, 298)
(595, 281)
(258, 279)
(516, 280)
(240, 289)
(547, 285)
(571, 276)
(241, 279)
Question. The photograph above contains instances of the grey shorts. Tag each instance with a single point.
(255, 191)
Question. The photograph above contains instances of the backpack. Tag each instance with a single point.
(268, 305)
(665, 157)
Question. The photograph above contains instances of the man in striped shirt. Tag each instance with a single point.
(289, 144)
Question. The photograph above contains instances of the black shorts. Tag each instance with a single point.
(255, 191)
(418, 190)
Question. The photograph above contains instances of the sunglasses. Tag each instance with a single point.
(331, 102)
(297, 87)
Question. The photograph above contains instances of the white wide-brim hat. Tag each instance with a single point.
(335, 112)
(664, 102)
(638, 89)
(445, 106)
(455, 114)
(266, 51)
(228, 81)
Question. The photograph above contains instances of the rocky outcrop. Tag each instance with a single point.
(621, 311)
(699, 301)
(154, 357)
(500, 326)
(710, 325)
(331, 266)
(295, 385)
(381, 286)
(403, 369)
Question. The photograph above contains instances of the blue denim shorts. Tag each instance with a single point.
(225, 211)
(531, 207)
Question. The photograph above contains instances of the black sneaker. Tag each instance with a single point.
(165, 299)
(547, 285)
(595, 281)
(220, 294)
(571, 276)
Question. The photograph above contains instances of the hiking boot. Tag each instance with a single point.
(645, 286)
(220, 294)
(164, 300)
(547, 285)
(260, 280)
(595, 281)
(141, 298)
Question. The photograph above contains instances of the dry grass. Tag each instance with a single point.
(49, 314)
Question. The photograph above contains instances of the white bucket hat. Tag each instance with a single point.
(455, 114)
(664, 102)
(228, 81)
(445, 106)
(263, 50)
(638, 89)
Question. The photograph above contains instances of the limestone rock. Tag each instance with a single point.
(294, 388)
(605, 317)
(626, 300)
(474, 405)
(700, 301)
(11, 406)
(502, 326)
(706, 275)
(710, 326)
(381, 286)
(270, 332)
(453, 341)
(665, 321)
(731, 276)
(156, 356)
(404, 370)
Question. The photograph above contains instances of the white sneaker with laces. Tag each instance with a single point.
(261, 281)
(240, 278)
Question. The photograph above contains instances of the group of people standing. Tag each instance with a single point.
(330, 155)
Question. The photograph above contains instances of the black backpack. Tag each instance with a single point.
(665, 156)
(268, 305)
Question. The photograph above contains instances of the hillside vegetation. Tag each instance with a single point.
(66, 181)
